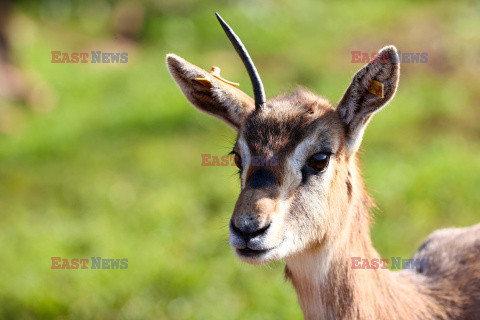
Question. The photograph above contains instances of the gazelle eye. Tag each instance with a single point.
(238, 161)
(319, 161)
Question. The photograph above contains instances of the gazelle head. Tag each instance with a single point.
(298, 191)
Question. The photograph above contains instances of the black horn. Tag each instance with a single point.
(258, 90)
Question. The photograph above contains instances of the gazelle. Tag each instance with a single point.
(311, 208)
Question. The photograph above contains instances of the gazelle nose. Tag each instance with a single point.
(248, 229)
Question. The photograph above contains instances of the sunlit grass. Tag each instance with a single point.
(113, 170)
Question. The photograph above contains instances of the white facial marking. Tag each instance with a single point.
(282, 240)
(246, 158)
(295, 163)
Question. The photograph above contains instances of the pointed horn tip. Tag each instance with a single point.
(258, 89)
(222, 22)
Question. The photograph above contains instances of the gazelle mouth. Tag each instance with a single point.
(251, 253)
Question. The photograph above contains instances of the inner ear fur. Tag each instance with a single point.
(209, 93)
(360, 102)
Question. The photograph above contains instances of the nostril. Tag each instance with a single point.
(246, 233)
(259, 231)
(235, 229)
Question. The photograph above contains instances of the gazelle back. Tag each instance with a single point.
(305, 201)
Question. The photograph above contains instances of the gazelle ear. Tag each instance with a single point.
(372, 88)
(209, 93)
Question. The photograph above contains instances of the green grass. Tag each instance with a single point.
(111, 166)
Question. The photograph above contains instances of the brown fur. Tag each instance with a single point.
(317, 221)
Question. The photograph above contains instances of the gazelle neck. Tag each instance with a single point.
(328, 287)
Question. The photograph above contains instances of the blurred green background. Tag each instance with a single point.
(104, 160)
